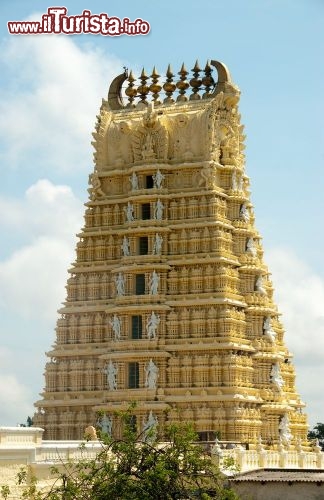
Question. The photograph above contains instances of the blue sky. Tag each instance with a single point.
(51, 89)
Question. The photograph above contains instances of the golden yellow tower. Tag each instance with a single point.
(169, 302)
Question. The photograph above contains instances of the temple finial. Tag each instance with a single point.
(182, 84)
(195, 82)
(169, 87)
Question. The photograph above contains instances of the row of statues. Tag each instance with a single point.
(157, 213)
(152, 288)
(151, 375)
(158, 178)
(152, 325)
(157, 245)
(149, 426)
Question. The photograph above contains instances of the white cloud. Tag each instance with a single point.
(33, 277)
(48, 112)
(15, 403)
(299, 293)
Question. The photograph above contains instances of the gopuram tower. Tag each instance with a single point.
(169, 302)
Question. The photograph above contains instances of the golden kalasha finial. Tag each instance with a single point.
(195, 82)
(143, 89)
(169, 87)
(208, 80)
(182, 84)
(131, 91)
(155, 88)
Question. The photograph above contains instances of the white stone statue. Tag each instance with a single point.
(152, 324)
(240, 186)
(259, 285)
(115, 323)
(267, 329)
(151, 372)
(158, 179)
(157, 245)
(129, 211)
(158, 210)
(149, 428)
(244, 213)
(154, 283)
(284, 429)
(125, 247)
(216, 449)
(105, 424)
(111, 372)
(120, 284)
(134, 181)
(250, 247)
(275, 376)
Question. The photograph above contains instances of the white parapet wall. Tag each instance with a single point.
(23, 447)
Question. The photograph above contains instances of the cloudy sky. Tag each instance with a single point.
(51, 89)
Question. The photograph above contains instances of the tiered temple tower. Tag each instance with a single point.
(169, 302)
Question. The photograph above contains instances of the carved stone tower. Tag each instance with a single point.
(169, 302)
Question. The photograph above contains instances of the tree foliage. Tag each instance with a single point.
(130, 468)
(317, 433)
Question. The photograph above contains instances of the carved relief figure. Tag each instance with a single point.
(95, 191)
(134, 181)
(150, 139)
(284, 429)
(267, 329)
(158, 210)
(111, 372)
(149, 428)
(120, 284)
(125, 246)
(115, 323)
(244, 213)
(158, 179)
(152, 324)
(275, 376)
(105, 424)
(151, 372)
(259, 285)
(250, 247)
(129, 212)
(157, 245)
(154, 283)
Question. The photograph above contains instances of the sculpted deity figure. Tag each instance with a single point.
(105, 424)
(157, 245)
(125, 247)
(158, 210)
(284, 429)
(120, 284)
(259, 285)
(111, 372)
(275, 376)
(158, 179)
(129, 211)
(234, 181)
(134, 181)
(154, 283)
(151, 372)
(267, 329)
(152, 324)
(250, 247)
(116, 326)
(149, 428)
(95, 191)
(244, 213)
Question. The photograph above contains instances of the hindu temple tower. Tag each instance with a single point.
(169, 302)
